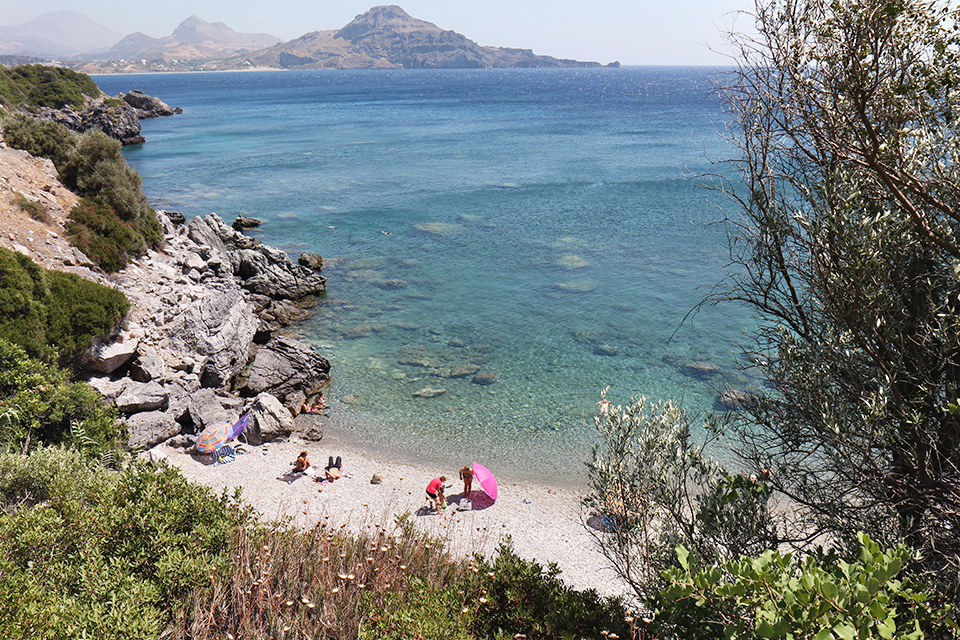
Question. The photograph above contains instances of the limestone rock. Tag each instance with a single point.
(150, 428)
(108, 388)
(377, 478)
(312, 261)
(269, 420)
(700, 370)
(108, 356)
(146, 106)
(243, 222)
(484, 378)
(289, 370)
(261, 269)
(428, 392)
(205, 407)
(148, 365)
(138, 397)
(219, 327)
(734, 400)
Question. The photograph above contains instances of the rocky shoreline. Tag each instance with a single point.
(203, 343)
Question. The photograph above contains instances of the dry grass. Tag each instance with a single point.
(320, 583)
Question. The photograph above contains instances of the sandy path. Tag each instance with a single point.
(545, 523)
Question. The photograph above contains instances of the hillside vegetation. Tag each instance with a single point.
(38, 85)
(113, 222)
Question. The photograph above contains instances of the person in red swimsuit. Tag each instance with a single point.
(435, 492)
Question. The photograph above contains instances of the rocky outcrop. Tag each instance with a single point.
(119, 121)
(190, 342)
(269, 420)
(287, 369)
(259, 268)
(117, 117)
(146, 106)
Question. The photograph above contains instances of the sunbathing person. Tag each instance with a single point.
(302, 463)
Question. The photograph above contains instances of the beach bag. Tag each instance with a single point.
(466, 505)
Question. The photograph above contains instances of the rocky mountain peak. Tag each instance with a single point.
(383, 18)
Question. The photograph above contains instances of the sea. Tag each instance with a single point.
(500, 245)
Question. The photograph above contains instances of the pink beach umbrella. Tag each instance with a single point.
(213, 436)
(487, 482)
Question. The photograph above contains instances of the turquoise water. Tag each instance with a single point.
(544, 228)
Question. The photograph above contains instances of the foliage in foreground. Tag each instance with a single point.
(816, 598)
(652, 487)
(140, 552)
(113, 221)
(51, 313)
(90, 552)
(36, 85)
(40, 405)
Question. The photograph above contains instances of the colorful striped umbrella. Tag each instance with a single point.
(485, 477)
(213, 436)
(240, 425)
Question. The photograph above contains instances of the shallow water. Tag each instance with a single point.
(542, 228)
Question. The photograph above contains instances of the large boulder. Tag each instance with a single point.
(206, 407)
(150, 428)
(106, 356)
(289, 370)
(146, 106)
(119, 122)
(148, 365)
(138, 397)
(269, 420)
(219, 326)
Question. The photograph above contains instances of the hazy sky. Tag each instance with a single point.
(647, 32)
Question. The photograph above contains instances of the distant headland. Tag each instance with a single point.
(385, 37)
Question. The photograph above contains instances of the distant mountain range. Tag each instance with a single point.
(64, 34)
(384, 37)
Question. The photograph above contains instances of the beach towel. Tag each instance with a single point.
(224, 455)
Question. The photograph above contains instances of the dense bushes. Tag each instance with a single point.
(41, 86)
(88, 552)
(114, 220)
(39, 404)
(52, 313)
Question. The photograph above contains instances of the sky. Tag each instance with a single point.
(634, 32)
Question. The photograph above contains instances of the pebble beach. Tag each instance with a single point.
(544, 523)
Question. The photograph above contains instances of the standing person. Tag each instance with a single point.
(435, 491)
(466, 474)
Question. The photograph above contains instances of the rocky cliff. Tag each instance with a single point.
(117, 117)
(201, 343)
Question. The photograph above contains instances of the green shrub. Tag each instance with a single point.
(39, 404)
(51, 313)
(96, 229)
(772, 596)
(40, 138)
(516, 596)
(42, 86)
(88, 552)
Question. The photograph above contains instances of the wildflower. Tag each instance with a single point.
(289, 603)
(483, 601)
(350, 576)
(342, 576)
(304, 599)
(335, 590)
(369, 558)
(403, 567)
(491, 574)
(466, 610)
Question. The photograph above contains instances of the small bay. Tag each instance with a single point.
(500, 244)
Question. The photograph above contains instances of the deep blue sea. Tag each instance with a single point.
(545, 227)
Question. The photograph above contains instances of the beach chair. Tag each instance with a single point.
(224, 455)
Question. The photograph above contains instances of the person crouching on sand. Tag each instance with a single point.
(435, 492)
(466, 474)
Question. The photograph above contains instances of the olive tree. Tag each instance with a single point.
(845, 243)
